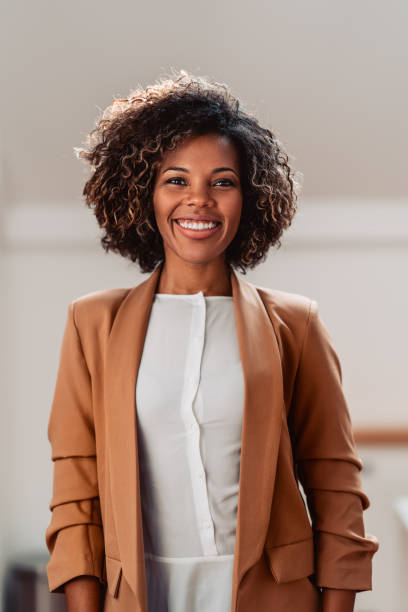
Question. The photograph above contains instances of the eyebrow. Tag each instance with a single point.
(221, 169)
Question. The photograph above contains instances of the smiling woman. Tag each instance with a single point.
(127, 150)
(188, 409)
(197, 200)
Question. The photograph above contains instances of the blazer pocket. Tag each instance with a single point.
(113, 575)
(291, 561)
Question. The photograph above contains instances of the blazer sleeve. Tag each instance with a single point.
(74, 536)
(328, 465)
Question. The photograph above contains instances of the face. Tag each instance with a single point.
(197, 198)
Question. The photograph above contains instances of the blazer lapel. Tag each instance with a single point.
(261, 426)
(123, 355)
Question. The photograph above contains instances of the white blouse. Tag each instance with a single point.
(189, 403)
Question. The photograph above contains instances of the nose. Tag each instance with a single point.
(199, 195)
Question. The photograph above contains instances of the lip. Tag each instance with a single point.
(197, 219)
(197, 234)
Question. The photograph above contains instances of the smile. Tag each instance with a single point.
(201, 229)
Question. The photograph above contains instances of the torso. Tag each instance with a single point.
(189, 398)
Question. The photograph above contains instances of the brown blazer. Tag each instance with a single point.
(296, 428)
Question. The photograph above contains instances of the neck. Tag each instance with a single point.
(212, 278)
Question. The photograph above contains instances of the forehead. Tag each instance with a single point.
(206, 148)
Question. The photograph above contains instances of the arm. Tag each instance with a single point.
(338, 600)
(83, 594)
(329, 467)
(74, 536)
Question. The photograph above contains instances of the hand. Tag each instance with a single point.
(338, 600)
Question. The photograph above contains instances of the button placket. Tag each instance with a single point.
(199, 484)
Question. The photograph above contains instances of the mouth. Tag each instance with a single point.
(197, 229)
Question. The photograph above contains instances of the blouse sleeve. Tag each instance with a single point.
(328, 465)
(74, 536)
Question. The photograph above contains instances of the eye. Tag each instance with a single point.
(174, 178)
(178, 180)
(228, 182)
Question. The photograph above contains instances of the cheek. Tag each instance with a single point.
(161, 209)
(235, 215)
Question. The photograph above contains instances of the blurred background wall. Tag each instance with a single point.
(330, 79)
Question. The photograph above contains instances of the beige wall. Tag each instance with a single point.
(327, 76)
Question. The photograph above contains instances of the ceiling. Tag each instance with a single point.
(329, 78)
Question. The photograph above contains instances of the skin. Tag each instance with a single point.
(195, 264)
(82, 594)
(338, 600)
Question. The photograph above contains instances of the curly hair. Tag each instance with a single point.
(126, 147)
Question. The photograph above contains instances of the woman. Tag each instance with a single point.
(188, 408)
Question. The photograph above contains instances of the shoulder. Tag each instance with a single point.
(98, 307)
(290, 314)
(287, 306)
(102, 299)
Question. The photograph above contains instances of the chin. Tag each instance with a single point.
(197, 259)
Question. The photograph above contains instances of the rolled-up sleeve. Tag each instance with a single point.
(74, 536)
(328, 465)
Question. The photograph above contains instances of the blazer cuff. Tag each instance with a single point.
(70, 558)
(343, 564)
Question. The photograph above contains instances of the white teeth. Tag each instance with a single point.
(196, 226)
